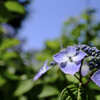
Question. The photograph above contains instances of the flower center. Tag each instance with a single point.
(70, 59)
(63, 64)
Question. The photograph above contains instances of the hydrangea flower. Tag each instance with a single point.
(69, 59)
(94, 62)
(96, 77)
(43, 69)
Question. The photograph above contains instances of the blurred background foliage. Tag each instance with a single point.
(17, 67)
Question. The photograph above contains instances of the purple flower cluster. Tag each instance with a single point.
(70, 61)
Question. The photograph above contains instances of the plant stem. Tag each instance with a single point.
(79, 97)
(77, 77)
(80, 72)
(89, 79)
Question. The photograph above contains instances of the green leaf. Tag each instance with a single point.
(23, 87)
(53, 45)
(2, 63)
(9, 55)
(8, 43)
(42, 56)
(48, 91)
(96, 41)
(97, 97)
(70, 21)
(69, 93)
(14, 7)
(2, 81)
(85, 16)
(51, 78)
(93, 86)
(71, 79)
(11, 76)
(73, 92)
(22, 98)
(76, 31)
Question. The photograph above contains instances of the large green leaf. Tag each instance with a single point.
(14, 7)
(93, 86)
(48, 91)
(23, 87)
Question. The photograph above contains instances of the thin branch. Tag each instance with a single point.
(89, 79)
(77, 77)
(80, 71)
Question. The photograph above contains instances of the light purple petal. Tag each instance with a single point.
(96, 77)
(79, 56)
(84, 69)
(71, 51)
(43, 70)
(63, 55)
(60, 57)
(70, 67)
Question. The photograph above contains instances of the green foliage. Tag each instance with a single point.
(74, 92)
(69, 93)
(14, 78)
(12, 12)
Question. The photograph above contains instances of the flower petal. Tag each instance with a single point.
(96, 77)
(70, 67)
(79, 56)
(71, 51)
(84, 69)
(43, 70)
(60, 57)
(63, 55)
